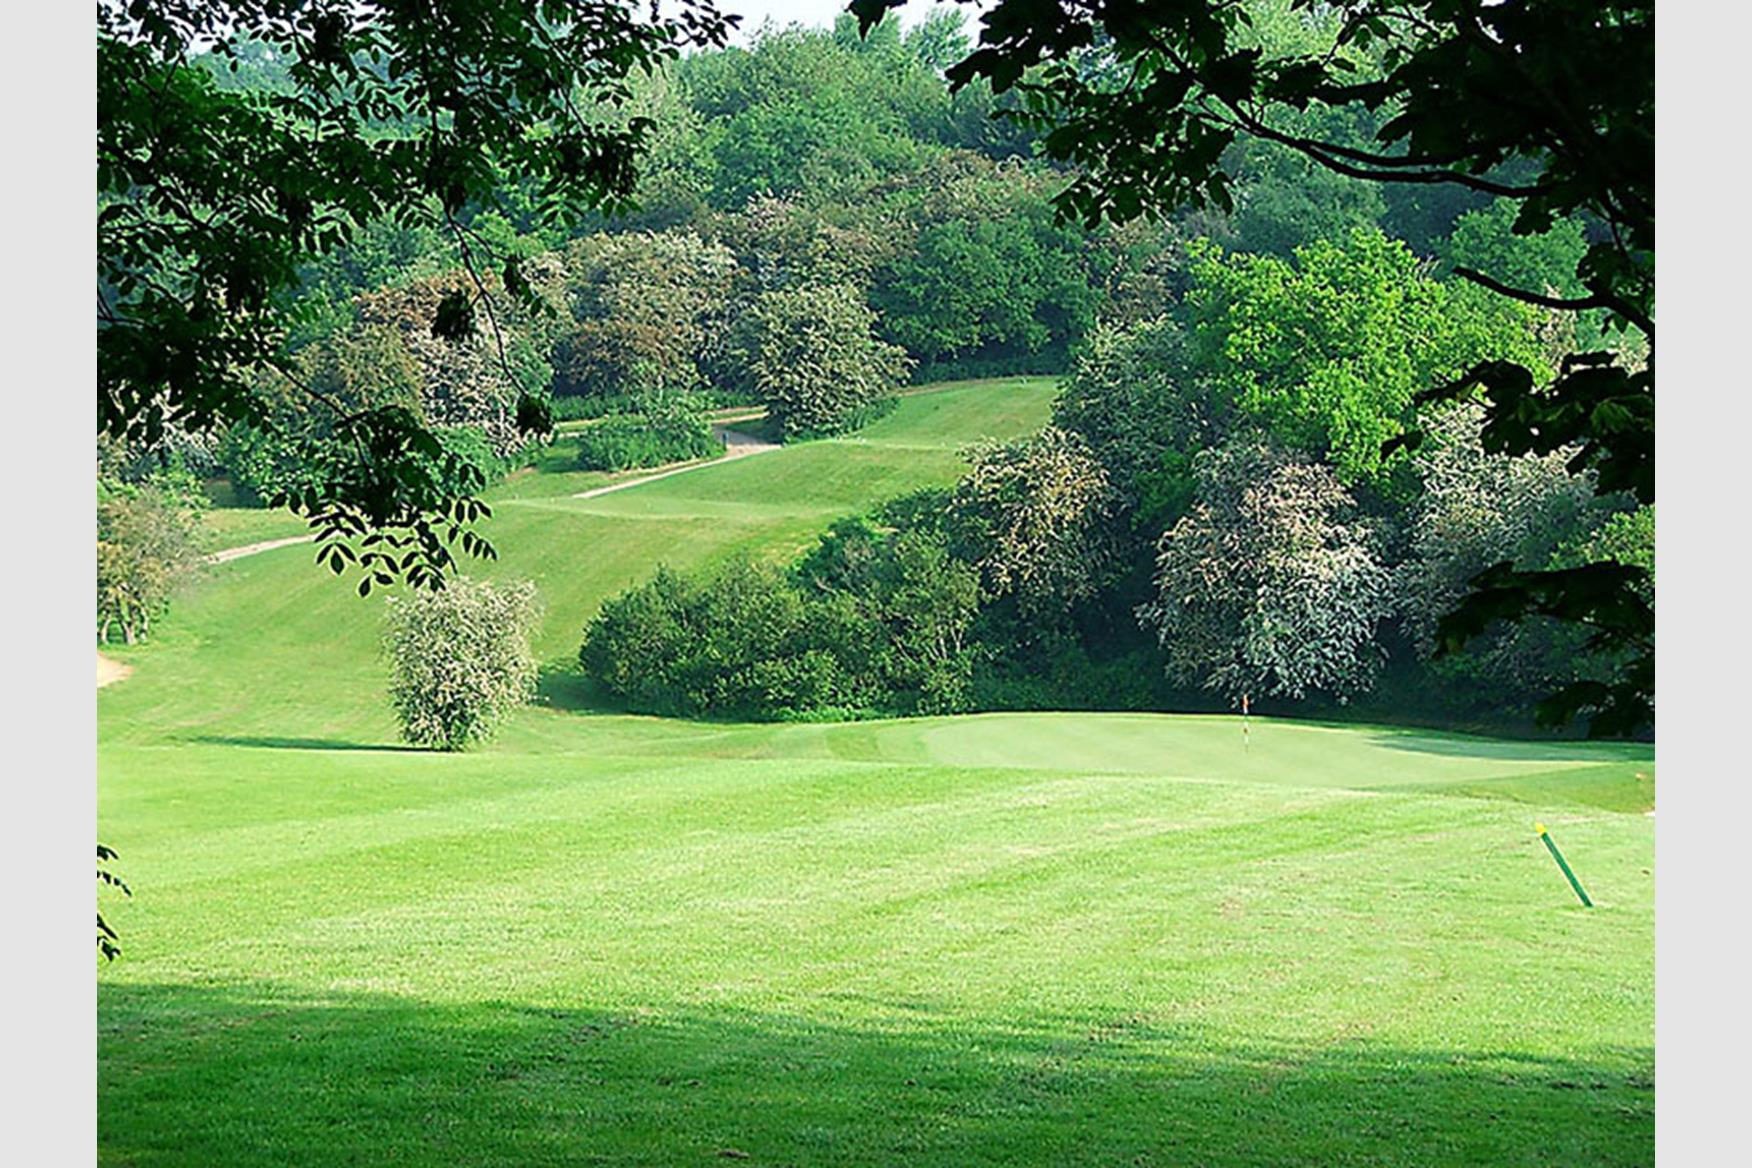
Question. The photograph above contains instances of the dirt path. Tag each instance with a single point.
(110, 671)
(250, 549)
(736, 445)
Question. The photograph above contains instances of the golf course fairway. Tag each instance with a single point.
(1046, 939)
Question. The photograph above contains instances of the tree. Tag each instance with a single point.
(641, 302)
(1330, 348)
(814, 357)
(1484, 240)
(1475, 509)
(803, 113)
(148, 546)
(1269, 586)
(908, 585)
(460, 660)
(212, 201)
(477, 380)
(1549, 103)
(1033, 516)
(987, 272)
(1144, 414)
(784, 243)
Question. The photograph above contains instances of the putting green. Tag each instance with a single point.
(998, 939)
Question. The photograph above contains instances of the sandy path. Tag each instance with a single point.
(736, 445)
(110, 671)
(250, 549)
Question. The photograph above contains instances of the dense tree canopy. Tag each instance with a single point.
(1330, 348)
(805, 219)
(1033, 517)
(1147, 98)
(815, 360)
(212, 198)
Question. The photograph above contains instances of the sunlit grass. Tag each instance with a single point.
(1041, 938)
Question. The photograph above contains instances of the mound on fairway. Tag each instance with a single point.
(999, 939)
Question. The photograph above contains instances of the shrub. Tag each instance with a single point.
(742, 641)
(667, 428)
(461, 660)
(872, 620)
(148, 545)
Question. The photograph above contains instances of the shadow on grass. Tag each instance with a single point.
(1459, 744)
(562, 686)
(264, 742)
(192, 1075)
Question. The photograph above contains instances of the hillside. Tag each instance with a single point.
(948, 941)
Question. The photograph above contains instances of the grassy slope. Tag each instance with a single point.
(1011, 938)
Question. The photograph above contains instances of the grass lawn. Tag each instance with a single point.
(1045, 938)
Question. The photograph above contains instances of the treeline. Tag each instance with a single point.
(815, 194)
(1213, 513)
(819, 219)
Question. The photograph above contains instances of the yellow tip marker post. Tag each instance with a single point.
(1563, 864)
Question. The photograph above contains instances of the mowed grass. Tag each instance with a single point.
(1042, 938)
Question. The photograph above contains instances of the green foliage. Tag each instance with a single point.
(1269, 586)
(788, 243)
(579, 409)
(148, 547)
(1285, 200)
(806, 112)
(740, 642)
(873, 619)
(640, 303)
(1545, 263)
(1626, 538)
(1147, 102)
(815, 360)
(213, 200)
(1034, 517)
(1330, 349)
(108, 943)
(667, 428)
(460, 660)
(1144, 413)
(1475, 510)
(906, 583)
(474, 380)
(987, 271)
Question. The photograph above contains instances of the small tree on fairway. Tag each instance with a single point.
(461, 660)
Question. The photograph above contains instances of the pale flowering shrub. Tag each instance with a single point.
(460, 659)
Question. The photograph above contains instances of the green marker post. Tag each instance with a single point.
(1563, 864)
